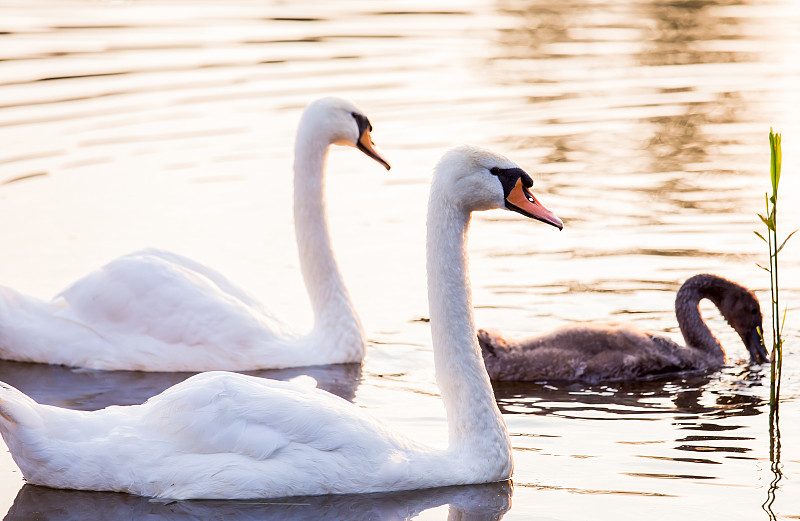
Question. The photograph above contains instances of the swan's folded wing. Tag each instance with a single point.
(217, 278)
(219, 412)
(165, 296)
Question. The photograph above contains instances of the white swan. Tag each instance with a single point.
(158, 311)
(227, 435)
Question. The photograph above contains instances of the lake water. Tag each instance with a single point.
(133, 124)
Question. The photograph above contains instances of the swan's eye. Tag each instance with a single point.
(496, 171)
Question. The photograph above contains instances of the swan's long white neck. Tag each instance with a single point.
(335, 320)
(474, 421)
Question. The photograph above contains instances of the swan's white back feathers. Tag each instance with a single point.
(147, 310)
(134, 293)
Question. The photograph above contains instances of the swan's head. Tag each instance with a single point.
(341, 122)
(479, 179)
(741, 309)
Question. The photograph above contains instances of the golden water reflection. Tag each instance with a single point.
(169, 124)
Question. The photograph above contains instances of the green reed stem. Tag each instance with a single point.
(776, 365)
(770, 220)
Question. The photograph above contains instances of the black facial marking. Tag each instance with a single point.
(362, 122)
(366, 145)
(508, 178)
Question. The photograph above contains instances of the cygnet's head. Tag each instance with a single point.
(480, 179)
(341, 122)
(742, 311)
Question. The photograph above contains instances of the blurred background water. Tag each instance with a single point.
(132, 124)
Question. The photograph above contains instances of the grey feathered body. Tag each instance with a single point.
(616, 351)
(590, 352)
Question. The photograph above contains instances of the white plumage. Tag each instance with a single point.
(227, 435)
(158, 311)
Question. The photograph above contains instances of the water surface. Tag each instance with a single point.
(169, 124)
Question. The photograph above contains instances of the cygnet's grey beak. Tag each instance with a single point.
(755, 346)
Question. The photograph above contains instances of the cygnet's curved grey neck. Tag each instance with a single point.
(695, 332)
(473, 419)
(335, 320)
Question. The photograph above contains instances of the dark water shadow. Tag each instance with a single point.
(488, 502)
(776, 470)
(684, 396)
(87, 389)
(706, 413)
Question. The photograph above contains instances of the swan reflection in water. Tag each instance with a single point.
(89, 389)
(487, 502)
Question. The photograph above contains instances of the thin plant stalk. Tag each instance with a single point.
(771, 222)
(777, 350)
